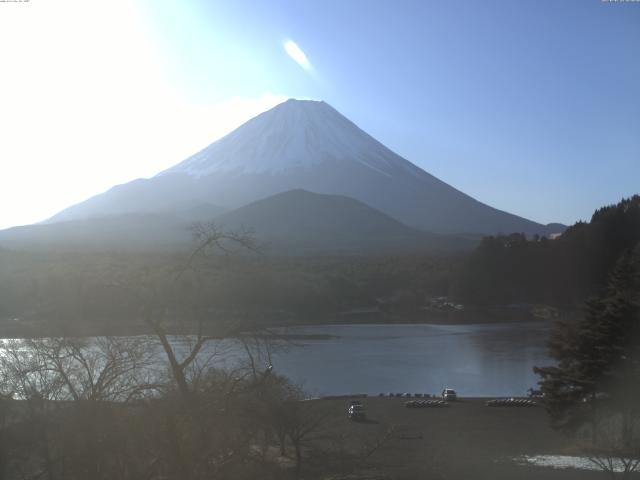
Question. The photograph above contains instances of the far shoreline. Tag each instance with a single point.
(475, 315)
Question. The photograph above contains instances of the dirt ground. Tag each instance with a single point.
(466, 440)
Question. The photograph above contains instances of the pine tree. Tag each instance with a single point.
(597, 375)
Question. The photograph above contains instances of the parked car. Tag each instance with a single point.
(356, 412)
(596, 397)
(449, 394)
(535, 393)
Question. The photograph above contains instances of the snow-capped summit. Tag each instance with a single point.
(303, 144)
(297, 134)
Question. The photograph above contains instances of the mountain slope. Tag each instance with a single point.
(307, 145)
(298, 221)
(293, 222)
(125, 232)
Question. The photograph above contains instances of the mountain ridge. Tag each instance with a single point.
(295, 222)
(308, 145)
(307, 222)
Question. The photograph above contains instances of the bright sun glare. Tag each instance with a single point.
(85, 101)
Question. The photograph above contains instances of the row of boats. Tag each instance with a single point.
(497, 402)
(426, 403)
(511, 402)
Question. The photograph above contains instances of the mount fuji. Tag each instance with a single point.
(304, 144)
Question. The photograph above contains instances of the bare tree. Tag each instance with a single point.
(195, 428)
(303, 422)
(614, 453)
(74, 393)
(209, 238)
(105, 407)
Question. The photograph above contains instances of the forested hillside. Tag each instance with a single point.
(49, 291)
(565, 270)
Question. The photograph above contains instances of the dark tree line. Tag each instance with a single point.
(52, 293)
(562, 271)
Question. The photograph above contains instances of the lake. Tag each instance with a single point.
(476, 360)
(479, 360)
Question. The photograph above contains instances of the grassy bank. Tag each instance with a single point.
(466, 440)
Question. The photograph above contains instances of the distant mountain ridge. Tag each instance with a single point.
(305, 222)
(296, 222)
(306, 145)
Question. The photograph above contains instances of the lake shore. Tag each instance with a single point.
(221, 322)
(466, 440)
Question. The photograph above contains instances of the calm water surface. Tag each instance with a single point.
(476, 360)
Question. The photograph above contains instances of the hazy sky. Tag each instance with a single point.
(531, 107)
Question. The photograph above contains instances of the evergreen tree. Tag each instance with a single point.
(564, 271)
(597, 375)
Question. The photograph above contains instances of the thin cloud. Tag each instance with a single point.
(298, 56)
